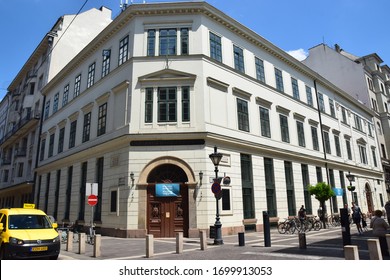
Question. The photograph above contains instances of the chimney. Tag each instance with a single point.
(337, 48)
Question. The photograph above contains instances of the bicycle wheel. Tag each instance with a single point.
(282, 228)
(317, 225)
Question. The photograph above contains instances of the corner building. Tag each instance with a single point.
(154, 93)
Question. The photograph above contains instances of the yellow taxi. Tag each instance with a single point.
(27, 233)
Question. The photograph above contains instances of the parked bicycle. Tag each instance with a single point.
(65, 232)
(91, 235)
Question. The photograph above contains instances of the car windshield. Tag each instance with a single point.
(29, 222)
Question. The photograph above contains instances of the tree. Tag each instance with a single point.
(322, 192)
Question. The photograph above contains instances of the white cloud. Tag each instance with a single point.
(299, 54)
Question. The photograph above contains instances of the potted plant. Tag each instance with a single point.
(351, 188)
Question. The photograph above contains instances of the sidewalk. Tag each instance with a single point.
(326, 244)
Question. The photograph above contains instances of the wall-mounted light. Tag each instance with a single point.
(132, 179)
(200, 178)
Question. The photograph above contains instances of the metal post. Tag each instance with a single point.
(218, 225)
(267, 230)
(345, 229)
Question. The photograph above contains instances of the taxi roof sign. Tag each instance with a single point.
(29, 206)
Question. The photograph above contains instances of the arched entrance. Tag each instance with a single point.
(368, 193)
(167, 201)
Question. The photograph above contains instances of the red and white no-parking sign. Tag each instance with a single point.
(92, 200)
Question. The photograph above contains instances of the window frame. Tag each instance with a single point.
(242, 114)
(215, 46)
(238, 55)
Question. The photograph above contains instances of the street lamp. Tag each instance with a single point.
(216, 159)
(350, 178)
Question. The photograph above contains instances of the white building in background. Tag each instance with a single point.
(366, 80)
(20, 111)
(144, 104)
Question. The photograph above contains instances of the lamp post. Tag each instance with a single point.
(216, 159)
(350, 178)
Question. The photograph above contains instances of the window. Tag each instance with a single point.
(20, 169)
(309, 96)
(215, 47)
(61, 140)
(238, 54)
(270, 187)
(344, 115)
(184, 40)
(284, 128)
(86, 127)
(168, 41)
(167, 103)
(42, 151)
(114, 201)
(348, 146)
(383, 151)
(148, 105)
(55, 103)
(363, 154)
(72, 134)
(91, 75)
(151, 42)
(279, 80)
(123, 50)
(65, 95)
(337, 144)
(294, 84)
(51, 145)
(265, 122)
(306, 184)
(185, 103)
(47, 109)
(331, 107)
(314, 138)
(319, 174)
(102, 119)
(242, 115)
(374, 157)
(321, 102)
(77, 83)
(247, 186)
(369, 127)
(301, 134)
(289, 177)
(106, 63)
(260, 75)
(358, 123)
(327, 142)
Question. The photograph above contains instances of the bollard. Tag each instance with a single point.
(374, 249)
(388, 243)
(345, 228)
(149, 246)
(69, 241)
(267, 230)
(179, 242)
(81, 243)
(351, 252)
(203, 241)
(241, 239)
(96, 246)
(302, 240)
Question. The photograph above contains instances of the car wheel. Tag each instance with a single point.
(3, 255)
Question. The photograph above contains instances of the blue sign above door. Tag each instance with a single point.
(167, 190)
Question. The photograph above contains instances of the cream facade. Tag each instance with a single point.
(152, 95)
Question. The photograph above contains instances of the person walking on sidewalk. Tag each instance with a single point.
(357, 217)
(379, 229)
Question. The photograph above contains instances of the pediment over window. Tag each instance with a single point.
(167, 76)
(361, 141)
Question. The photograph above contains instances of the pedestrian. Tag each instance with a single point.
(387, 209)
(357, 217)
(379, 229)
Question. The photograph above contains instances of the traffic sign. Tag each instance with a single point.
(92, 200)
(216, 187)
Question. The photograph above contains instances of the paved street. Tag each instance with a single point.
(326, 244)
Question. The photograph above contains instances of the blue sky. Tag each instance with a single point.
(358, 26)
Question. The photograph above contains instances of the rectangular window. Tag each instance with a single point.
(344, 115)
(247, 186)
(238, 54)
(226, 200)
(289, 177)
(86, 127)
(215, 47)
(337, 144)
(331, 107)
(309, 96)
(91, 75)
(65, 95)
(114, 201)
(151, 42)
(374, 157)
(61, 140)
(72, 134)
(349, 151)
(265, 122)
(321, 102)
(260, 75)
(77, 84)
(284, 128)
(20, 169)
(270, 187)
(68, 193)
(55, 103)
(184, 40)
(51, 145)
(42, 151)
(123, 50)
(106, 63)
(185, 103)
(242, 115)
(358, 123)
(383, 149)
(168, 41)
(327, 142)
(301, 134)
(333, 185)
(148, 105)
(47, 109)
(102, 119)
(363, 154)
(279, 80)
(295, 88)
(167, 104)
(306, 184)
(319, 174)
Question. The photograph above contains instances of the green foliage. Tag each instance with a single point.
(322, 191)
